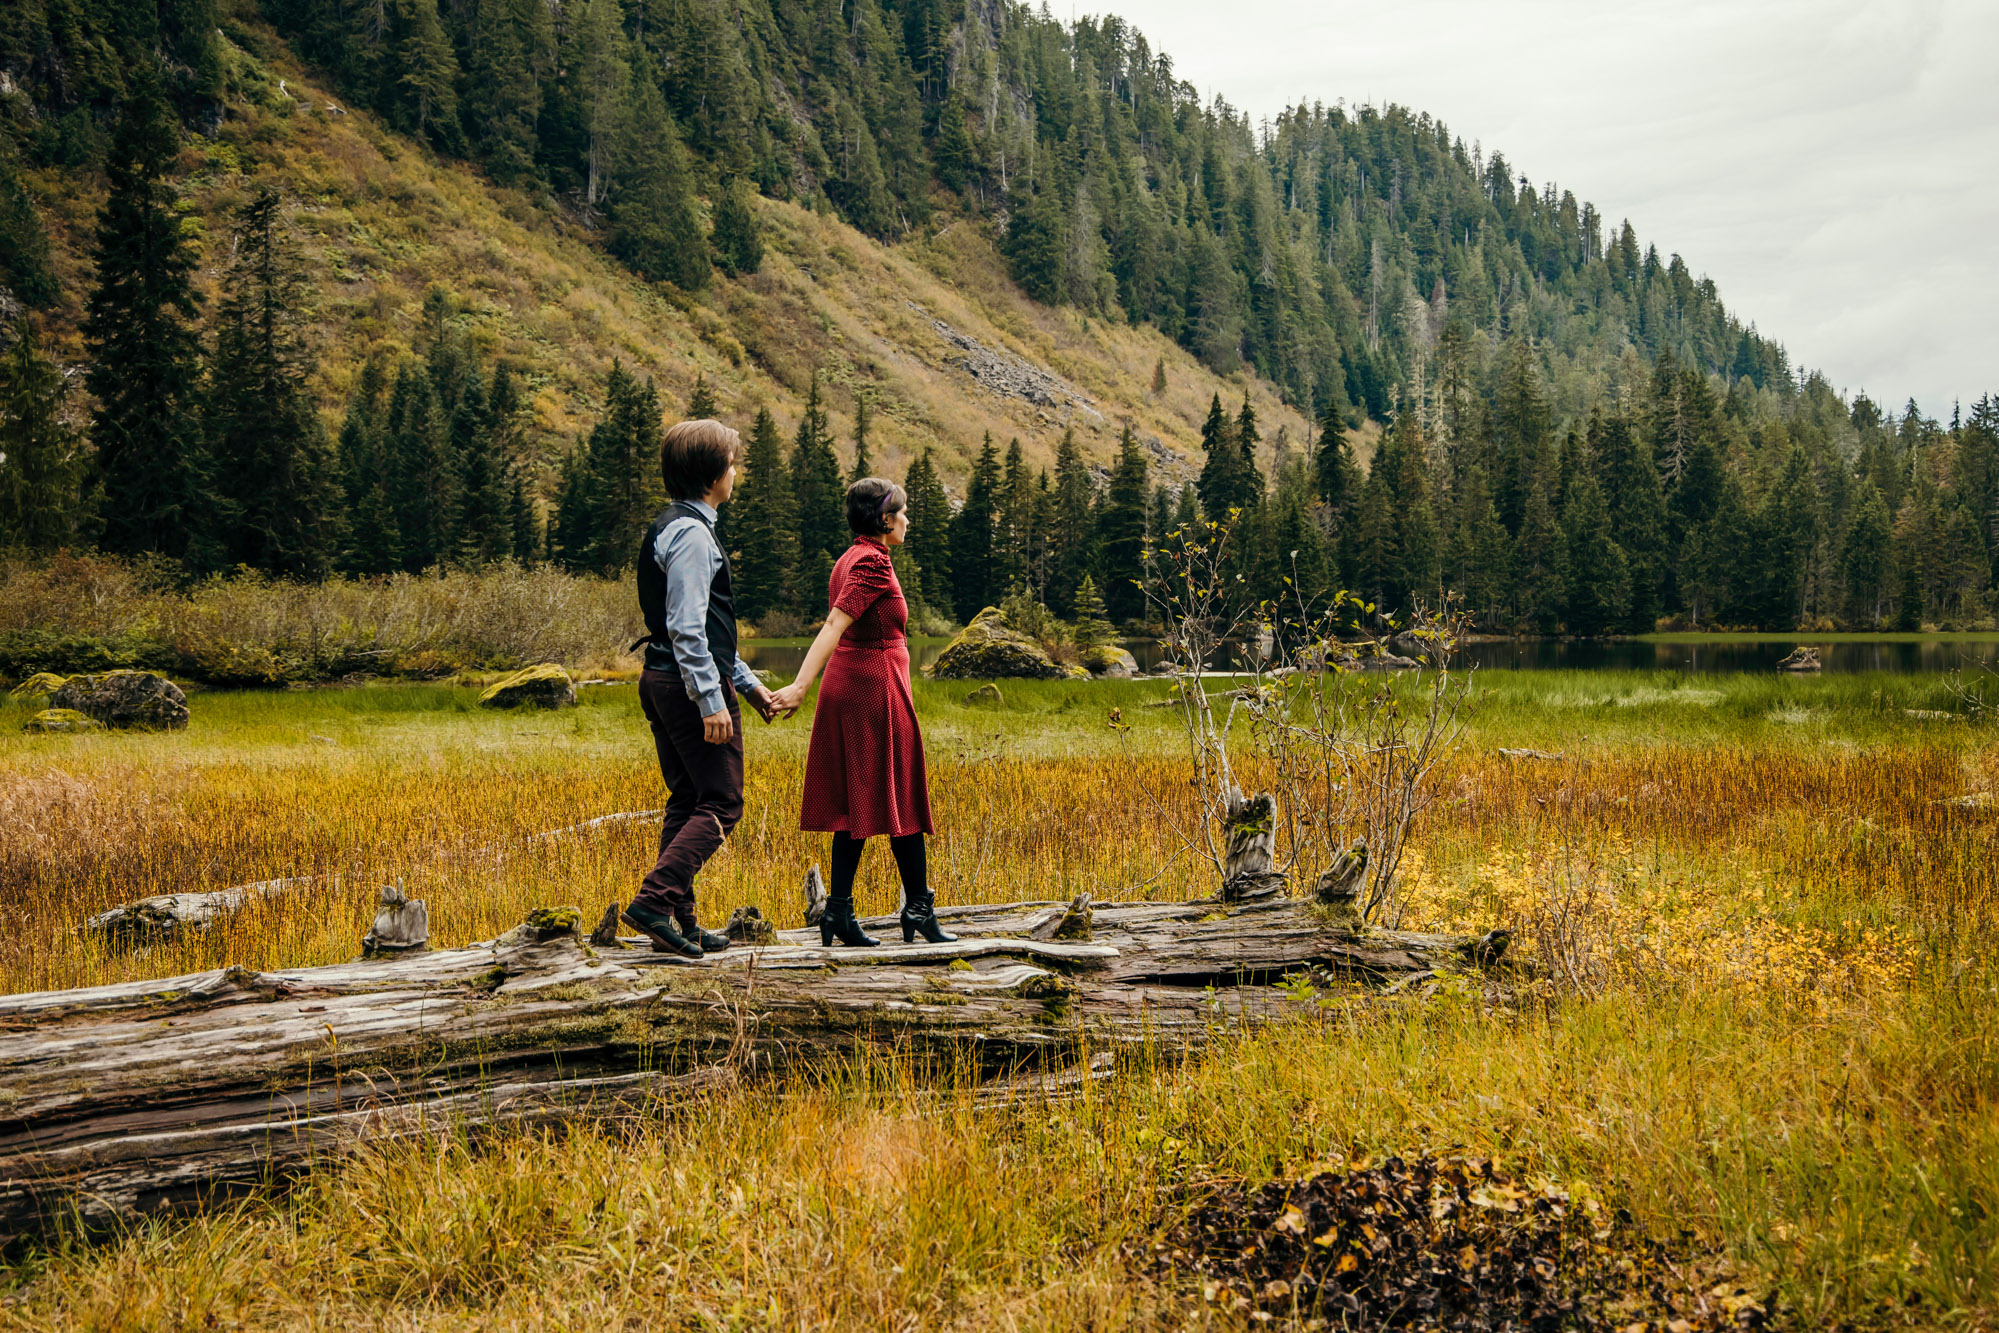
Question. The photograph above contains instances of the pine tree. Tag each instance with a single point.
(821, 501)
(701, 400)
(1222, 486)
(603, 92)
(502, 93)
(425, 99)
(1071, 536)
(373, 540)
(1159, 377)
(1540, 550)
(1121, 532)
(763, 527)
(485, 503)
(624, 485)
(424, 475)
(972, 564)
(41, 460)
(145, 352)
(738, 233)
(929, 540)
(655, 221)
(1013, 524)
(24, 245)
(1624, 469)
(1093, 626)
(1250, 478)
(1864, 558)
(1339, 482)
(863, 465)
(273, 469)
(571, 531)
(1598, 579)
(1520, 429)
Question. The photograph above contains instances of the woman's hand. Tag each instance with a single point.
(785, 702)
(791, 696)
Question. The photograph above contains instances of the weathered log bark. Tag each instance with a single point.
(126, 1099)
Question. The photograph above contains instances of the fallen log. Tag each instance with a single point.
(124, 1100)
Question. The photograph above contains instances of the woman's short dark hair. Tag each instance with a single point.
(694, 455)
(869, 503)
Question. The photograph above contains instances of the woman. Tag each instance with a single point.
(864, 772)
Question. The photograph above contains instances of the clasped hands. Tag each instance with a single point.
(718, 728)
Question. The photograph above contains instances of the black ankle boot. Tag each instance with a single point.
(709, 941)
(839, 921)
(919, 916)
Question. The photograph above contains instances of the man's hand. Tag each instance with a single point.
(787, 700)
(760, 699)
(718, 728)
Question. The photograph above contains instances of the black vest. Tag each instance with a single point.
(652, 599)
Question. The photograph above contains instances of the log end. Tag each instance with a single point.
(402, 926)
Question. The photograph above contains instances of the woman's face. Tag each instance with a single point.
(897, 530)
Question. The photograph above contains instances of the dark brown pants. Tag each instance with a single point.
(705, 786)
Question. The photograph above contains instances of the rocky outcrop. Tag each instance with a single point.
(59, 720)
(544, 686)
(990, 649)
(1802, 658)
(135, 699)
(1108, 661)
(1007, 374)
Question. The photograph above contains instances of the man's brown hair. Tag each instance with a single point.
(694, 455)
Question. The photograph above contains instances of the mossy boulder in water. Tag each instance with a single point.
(990, 649)
(55, 720)
(122, 699)
(544, 686)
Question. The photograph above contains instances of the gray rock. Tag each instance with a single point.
(990, 649)
(544, 686)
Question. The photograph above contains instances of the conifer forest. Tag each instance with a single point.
(1516, 398)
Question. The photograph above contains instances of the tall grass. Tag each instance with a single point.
(1792, 1054)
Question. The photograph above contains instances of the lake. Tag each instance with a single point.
(1905, 653)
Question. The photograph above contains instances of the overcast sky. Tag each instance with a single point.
(1832, 164)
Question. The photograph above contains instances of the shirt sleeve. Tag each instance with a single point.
(743, 678)
(688, 557)
(867, 580)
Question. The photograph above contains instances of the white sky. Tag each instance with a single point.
(1832, 164)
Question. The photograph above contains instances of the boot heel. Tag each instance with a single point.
(908, 933)
(825, 933)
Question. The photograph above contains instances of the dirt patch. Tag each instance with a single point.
(1441, 1244)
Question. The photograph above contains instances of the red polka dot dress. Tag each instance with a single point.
(864, 772)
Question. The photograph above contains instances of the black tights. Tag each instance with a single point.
(910, 859)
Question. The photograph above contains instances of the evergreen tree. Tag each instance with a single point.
(1598, 581)
(1398, 530)
(1630, 484)
(821, 501)
(373, 538)
(655, 221)
(1247, 437)
(738, 234)
(764, 526)
(929, 540)
(424, 475)
(1224, 484)
(273, 469)
(485, 500)
(425, 100)
(624, 488)
(863, 465)
(1339, 482)
(1520, 431)
(1122, 532)
(972, 559)
(24, 246)
(1013, 525)
(571, 534)
(1093, 626)
(41, 461)
(1540, 551)
(1071, 539)
(1159, 377)
(1864, 558)
(145, 353)
(701, 400)
(502, 93)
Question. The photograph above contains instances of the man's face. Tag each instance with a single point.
(725, 487)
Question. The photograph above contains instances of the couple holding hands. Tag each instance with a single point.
(864, 771)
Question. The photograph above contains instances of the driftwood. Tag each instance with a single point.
(129, 1099)
(165, 916)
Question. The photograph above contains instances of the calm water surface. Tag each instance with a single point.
(1911, 655)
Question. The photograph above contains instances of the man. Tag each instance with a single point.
(691, 681)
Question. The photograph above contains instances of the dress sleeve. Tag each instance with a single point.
(867, 579)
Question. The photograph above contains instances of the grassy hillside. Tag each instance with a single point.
(384, 221)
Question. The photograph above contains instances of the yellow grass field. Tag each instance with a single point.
(1770, 1036)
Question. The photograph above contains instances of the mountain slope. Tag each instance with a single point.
(384, 220)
